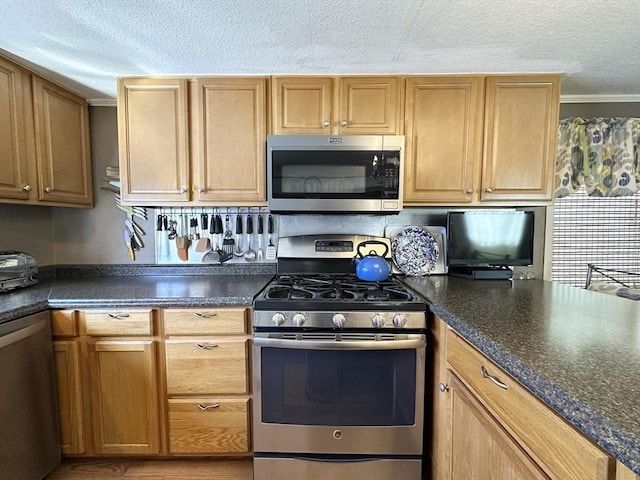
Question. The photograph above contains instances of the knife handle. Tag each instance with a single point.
(238, 223)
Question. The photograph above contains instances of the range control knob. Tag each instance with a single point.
(338, 320)
(399, 320)
(278, 319)
(378, 321)
(298, 319)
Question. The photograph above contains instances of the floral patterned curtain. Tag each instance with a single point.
(601, 153)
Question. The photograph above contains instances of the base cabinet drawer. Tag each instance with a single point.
(206, 366)
(208, 426)
(558, 448)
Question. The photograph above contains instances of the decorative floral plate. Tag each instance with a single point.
(415, 251)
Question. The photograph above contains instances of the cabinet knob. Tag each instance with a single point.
(202, 190)
(443, 387)
(182, 190)
(27, 188)
(344, 123)
(470, 191)
(489, 190)
(47, 189)
(325, 124)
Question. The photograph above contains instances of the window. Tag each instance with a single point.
(602, 231)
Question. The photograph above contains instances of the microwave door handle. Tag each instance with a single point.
(415, 341)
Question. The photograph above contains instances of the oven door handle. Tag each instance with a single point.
(414, 341)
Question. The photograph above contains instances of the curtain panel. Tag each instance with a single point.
(603, 154)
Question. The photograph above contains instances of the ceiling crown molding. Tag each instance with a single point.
(599, 98)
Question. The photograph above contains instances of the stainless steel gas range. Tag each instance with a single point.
(338, 368)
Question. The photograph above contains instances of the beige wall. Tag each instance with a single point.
(28, 229)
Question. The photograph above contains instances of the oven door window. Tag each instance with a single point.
(343, 175)
(338, 387)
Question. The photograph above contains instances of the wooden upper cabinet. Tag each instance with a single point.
(63, 152)
(153, 137)
(45, 155)
(198, 141)
(14, 181)
(343, 105)
(521, 123)
(481, 139)
(369, 105)
(229, 139)
(302, 105)
(443, 120)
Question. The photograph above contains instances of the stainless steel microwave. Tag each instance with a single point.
(333, 173)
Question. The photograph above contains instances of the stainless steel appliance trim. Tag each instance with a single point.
(293, 468)
(413, 341)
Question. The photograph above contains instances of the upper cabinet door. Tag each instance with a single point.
(302, 105)
(153, 136)
(521, 123)
(63, 152)
(369, 105)
(229, 138)
(444, 139)
(13, 156)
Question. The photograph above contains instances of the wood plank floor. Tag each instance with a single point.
(169, 469)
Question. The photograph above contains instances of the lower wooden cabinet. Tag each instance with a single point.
(207, 377)
(107, 379)
(488, 426)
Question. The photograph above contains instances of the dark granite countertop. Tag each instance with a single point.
(577, 350)
(144, 286)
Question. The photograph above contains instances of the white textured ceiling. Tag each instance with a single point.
(88, 43)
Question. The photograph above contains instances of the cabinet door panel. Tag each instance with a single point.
(521, 122)
(206, 366)
(62, 144)
(369, 105)
(302, 105)
(231, 139)
(67, 366)
(481, 448)
(124, 397)
(443, 134)
(13, 155)
(153, 140)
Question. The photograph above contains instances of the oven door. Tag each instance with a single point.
(355, 396)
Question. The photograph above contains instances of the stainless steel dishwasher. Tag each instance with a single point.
(29, 438)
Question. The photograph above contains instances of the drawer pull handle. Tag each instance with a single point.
(205, 314)
(206, 346)
(485, 374)
(119, 315)
(207, 407)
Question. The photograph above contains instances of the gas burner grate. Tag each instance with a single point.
(337, 287)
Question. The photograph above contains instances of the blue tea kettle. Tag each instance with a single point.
(372, 267)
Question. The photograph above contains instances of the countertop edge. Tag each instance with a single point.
(580, 416)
